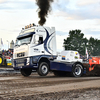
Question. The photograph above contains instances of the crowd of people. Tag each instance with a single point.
(7, 52)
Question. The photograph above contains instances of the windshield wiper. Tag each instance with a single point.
(24, 43)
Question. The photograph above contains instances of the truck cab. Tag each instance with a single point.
(34, 45)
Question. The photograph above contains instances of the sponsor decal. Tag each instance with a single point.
(21, 54)
(63, 57)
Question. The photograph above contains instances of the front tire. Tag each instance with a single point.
(77, 70)
(43, 69)
(26, 72)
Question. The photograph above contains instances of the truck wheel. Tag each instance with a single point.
(60, 73)
(1, 60)
(43, 69)
(26, 72)
(77, 70)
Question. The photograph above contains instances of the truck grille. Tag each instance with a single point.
(20, 62)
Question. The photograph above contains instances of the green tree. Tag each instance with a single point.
(94, 46)
(76, 41)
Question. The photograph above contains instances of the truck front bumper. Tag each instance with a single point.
(27, 66)
(22, 63)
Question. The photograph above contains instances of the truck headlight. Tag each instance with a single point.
(28, 61)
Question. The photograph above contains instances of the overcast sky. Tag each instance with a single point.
(66, 15)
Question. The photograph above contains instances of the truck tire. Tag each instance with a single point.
(1, 60)
(77, 70)
(43, 69)
(26, 72)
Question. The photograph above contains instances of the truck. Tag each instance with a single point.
(35, 50)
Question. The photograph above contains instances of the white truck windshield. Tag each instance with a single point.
(23, 40)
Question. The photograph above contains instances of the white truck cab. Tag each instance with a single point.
(36, 40)
(34, 44)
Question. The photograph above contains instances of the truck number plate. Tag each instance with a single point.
(19, 65)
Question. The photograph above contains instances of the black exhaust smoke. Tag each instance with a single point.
(44, 9)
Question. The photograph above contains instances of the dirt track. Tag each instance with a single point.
(15, 86)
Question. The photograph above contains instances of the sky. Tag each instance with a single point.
(65, 15)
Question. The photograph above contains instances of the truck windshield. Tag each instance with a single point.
(23, 40)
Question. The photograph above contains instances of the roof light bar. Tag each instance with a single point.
(29, 26)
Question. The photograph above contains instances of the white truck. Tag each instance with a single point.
(35, 49)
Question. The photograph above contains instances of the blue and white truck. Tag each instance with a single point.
(35, 49)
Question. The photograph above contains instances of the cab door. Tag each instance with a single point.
(38, 45)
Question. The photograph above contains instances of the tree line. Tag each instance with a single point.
(76, 41)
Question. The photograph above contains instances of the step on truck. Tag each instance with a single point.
(35, 50)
